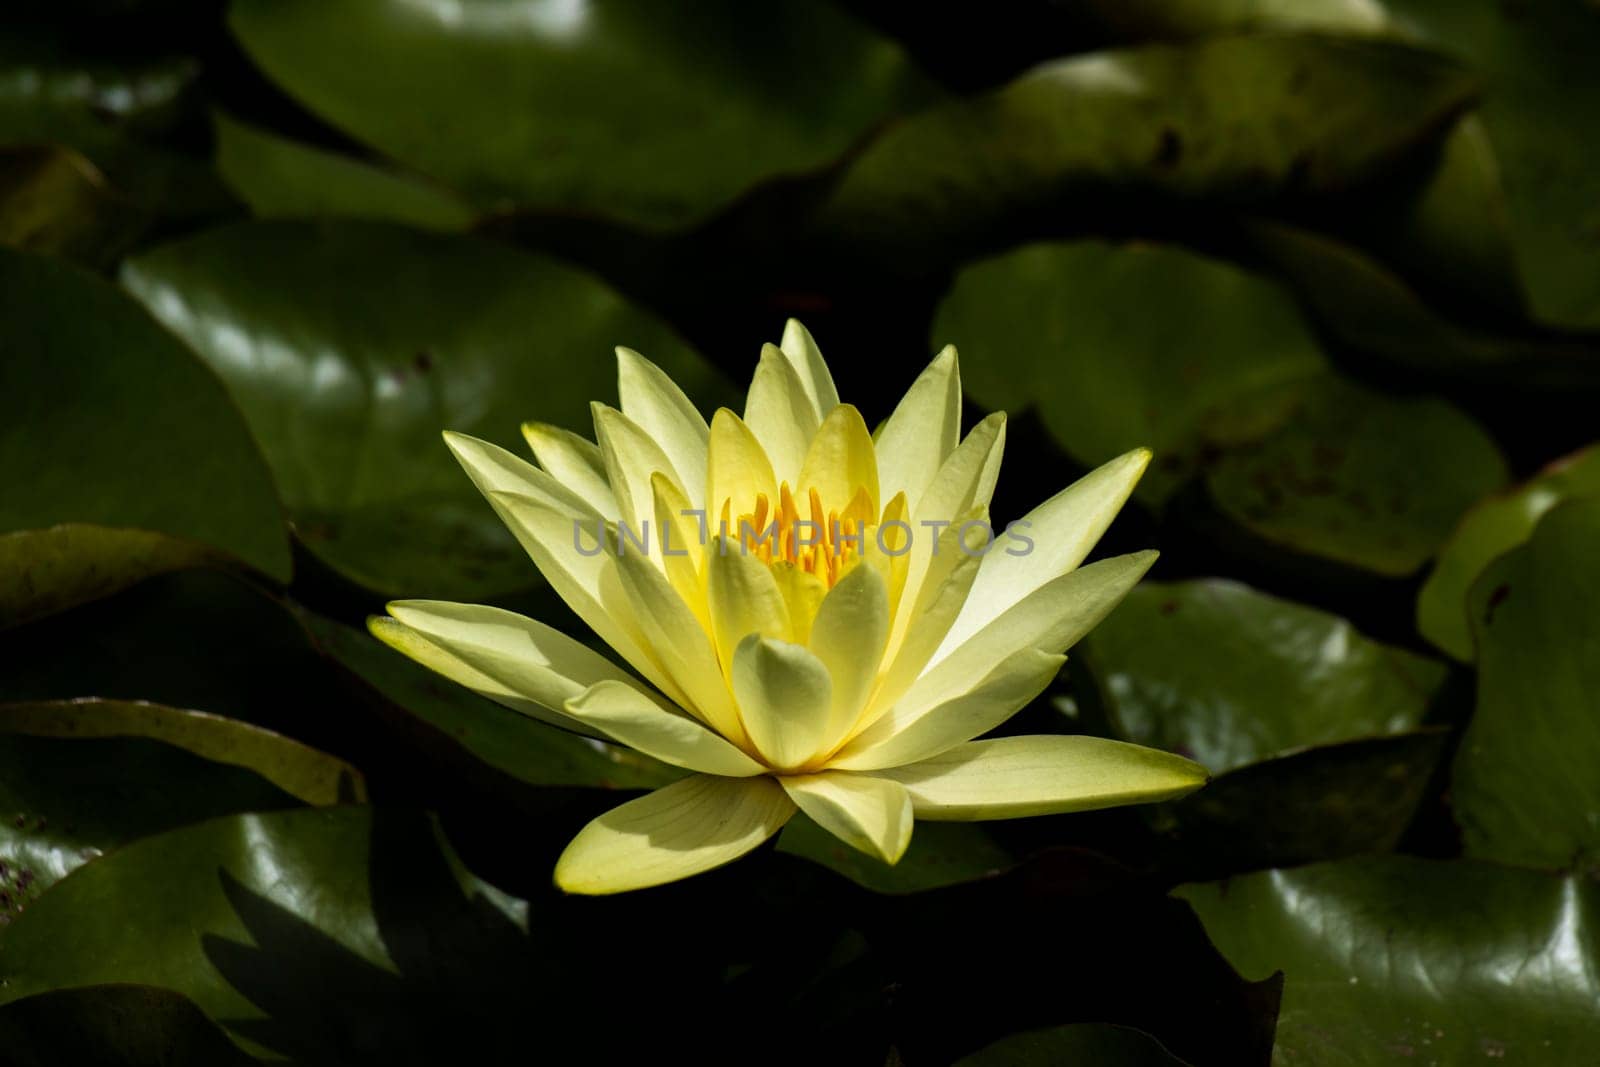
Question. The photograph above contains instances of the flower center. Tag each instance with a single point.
(821, 541)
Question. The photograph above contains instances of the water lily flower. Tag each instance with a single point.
(816, 618)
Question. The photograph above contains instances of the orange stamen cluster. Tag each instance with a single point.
(822, 542)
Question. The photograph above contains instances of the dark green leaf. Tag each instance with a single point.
(1494, 526)
(941, 854)
(1229, 676)
(350, 348)
(1401, 960)
(1077, 1043)
(1525, 787)
(1120, 346)
(1360, 477)
(646, 112)
(278, 177)
(519, 746)
(54, 201)
(106, 419)
(114, 1026)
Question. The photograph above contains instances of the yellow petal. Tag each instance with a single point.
(1063, 529)
(574, 462)
(784, 694)
(494, 470)
(654, 402)
(632, 459)
(684, 648)
(738, 469)
(679, 830)
(808, 363)
(910, 732)
(840, 461)
(637, 720)
(745, 598)
(1011, 777)
(678, 540)
(848, 635)
(780, 414)
(803, 593)
(866, 813)
(967, 479)
(1051, 619)
(916, 440)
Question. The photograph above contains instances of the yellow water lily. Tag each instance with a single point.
(817, 618)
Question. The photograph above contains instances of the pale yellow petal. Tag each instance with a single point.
(910, 732)
(840, 461)
(679, 830)
(679, 542)
(684, 648)
(803, 593)
(1051, 619)
(633, 718)
(575, 462)
(848, 635)
(784, 695)
(738, 470)
(780, 414)
(867, 813)
(632, 459)
(916, 440)
(745, 598)
(494, 470)
(807, 360)
(1062, 530)
(967, 479)
(1012, 777)
(655, 402)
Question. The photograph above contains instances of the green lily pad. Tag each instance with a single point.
(1525, 790)
(1121, 346)
(125, 1025)
(1229, 676)
(1254, 118)
(107, 420)
(78, 779)
(1539, 106)
(1402, 960)
(636, 110)
(1493, 527)
(1074, 1045)
(280, 178)
(257, 918)
(352, 346)
(49, 570)
(527, 750)
(940, 854)
(1362, 478)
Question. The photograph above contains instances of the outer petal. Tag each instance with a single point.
(679, 830)
(807, 359)
(784, 695)
(848, 635)
(632, 459)
(967, 479)
(678, 542)
(1063, 530)
(745, 598)
(494, 470)
(574, 462)
(1051, 619)
(841, 460)
(915, 441)
(637, 720)
(655, 402)
(909, 732)
(781, 414)
(1011, 777)
(867, 813)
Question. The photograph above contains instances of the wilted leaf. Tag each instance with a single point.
(55, 202)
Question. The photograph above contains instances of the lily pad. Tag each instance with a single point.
(1122, 346)
(280, 178)
(1229, 676)
(1075, 1045)
(1525, 789)
(107, 420)
(640, 111)
(82, 778)
(521, 747)
(1362, 478)
(1495, 526)
(49, 570)
(352, 346)
(1402, 960)
(1246, 119)
(125, 1025)
(940, 854)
